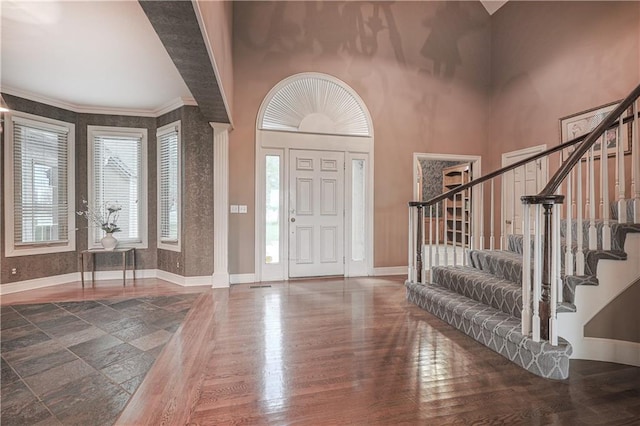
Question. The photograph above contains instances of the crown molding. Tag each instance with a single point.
(85, 109)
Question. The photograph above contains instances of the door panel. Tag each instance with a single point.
(316, 216)
(525, 180)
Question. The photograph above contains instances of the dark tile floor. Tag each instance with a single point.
(80, 362)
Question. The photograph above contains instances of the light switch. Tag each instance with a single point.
(234, 208)
(242, 209)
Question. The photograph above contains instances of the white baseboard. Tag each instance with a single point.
(184, 281)
(608, 350)
(39, 283)
(242, 278)
(390, 270)
(220, 280)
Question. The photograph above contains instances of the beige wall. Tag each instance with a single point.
(554, 59)
(424, 77)
(218, 18)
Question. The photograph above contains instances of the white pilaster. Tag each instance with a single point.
(220, 204)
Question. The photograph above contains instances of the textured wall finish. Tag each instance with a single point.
(176, 24)
(145, 258)
(197, 195)
(432, 180)
(168, 260)
(43, 265)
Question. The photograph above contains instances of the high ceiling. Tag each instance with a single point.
(88, 55)
(92, 56)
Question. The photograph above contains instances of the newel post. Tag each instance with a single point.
(547, 281)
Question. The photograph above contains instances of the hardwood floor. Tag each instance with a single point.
(346, 351)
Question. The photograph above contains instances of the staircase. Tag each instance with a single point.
(521, 301)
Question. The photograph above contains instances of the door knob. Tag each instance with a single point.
(293, 219)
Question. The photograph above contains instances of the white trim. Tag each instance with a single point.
(476, 168)
(508, 181)
(390, 270)
(204, 280)
(608, 350)
(11, 249)
(86, 109)
(216, 72)
(37, 283)
(220, 204)
(113, 274)
(143, 223)
(172, 246)
(220, 280)
(173, 105)
(267, 141)
(242, 278)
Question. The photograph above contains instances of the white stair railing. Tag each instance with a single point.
(543, 273)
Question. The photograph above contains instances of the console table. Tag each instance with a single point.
(131, 251)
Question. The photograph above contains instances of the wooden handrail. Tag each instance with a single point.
(609, 123)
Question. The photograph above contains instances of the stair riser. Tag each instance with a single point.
(508, 269)
(499, 294)
(497, 332)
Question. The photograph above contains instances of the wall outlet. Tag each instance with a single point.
(234, 208)
(242, 209)
(14, 271)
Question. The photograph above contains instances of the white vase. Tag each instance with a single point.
(109, 242)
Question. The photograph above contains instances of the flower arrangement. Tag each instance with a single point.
(106, 217)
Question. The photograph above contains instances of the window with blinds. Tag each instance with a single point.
(168, 141)
(39, 176)
(117, 176)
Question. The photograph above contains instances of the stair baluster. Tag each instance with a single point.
(419, 245)
(492, 239)
(591, 201)
(437, 259)
(604, 192)
(579, 223)
(568, 256)
(620, 175)
(526, 270)
(635, 165)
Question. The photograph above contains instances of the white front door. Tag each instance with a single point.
(316, 213)
(524, 180)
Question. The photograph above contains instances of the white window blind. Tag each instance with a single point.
(169, 186)
(41, 205)
(117, 176)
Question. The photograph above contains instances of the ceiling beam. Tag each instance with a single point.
(176, 24)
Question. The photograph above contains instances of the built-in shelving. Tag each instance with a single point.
(458, 208)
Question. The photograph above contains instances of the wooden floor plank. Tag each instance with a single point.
(345, 351)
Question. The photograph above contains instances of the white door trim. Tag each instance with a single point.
(356, 142)
(476, 166)
(510, 158)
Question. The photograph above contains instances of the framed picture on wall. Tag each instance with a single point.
(582, 123)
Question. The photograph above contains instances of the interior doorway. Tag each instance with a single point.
(430, 180)
(524, 180)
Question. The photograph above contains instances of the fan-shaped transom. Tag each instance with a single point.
(315, 103)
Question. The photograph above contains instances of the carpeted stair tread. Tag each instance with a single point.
(482, 286)
(503, 264)
(572, 281)
(493, 328)
(619, 232)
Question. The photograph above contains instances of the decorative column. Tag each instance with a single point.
(220, 204)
